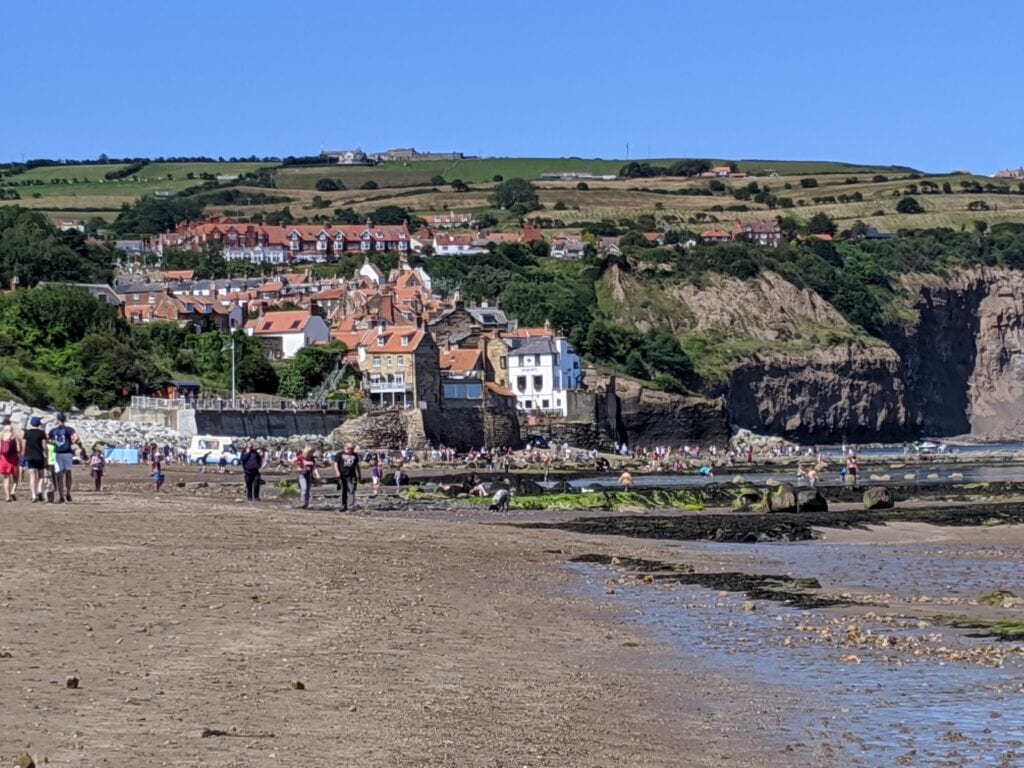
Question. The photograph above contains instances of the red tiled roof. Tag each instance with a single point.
(460, 360)
(282, 322)
(392, 340)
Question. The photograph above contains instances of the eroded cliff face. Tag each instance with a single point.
(957, 369)
(964, 362)
(825, 395)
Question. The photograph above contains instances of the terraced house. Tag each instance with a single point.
(400, 366)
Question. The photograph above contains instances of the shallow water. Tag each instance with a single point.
(943, 474)
(891, 708)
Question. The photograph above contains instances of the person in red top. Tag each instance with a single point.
(308, 474)
(11, 449)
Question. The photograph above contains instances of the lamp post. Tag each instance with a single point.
(232, 348)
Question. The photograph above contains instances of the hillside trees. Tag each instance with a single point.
(150, 215)
(309, 368)
(33, 250)
(909, 205)
(516, 195)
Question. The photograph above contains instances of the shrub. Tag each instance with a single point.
(909, 205)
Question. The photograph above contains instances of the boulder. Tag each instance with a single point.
(878, 497)
(811, 500)
(780, 499)
(745, 498)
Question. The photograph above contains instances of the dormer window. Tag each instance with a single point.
(381, 341)
(405, 341)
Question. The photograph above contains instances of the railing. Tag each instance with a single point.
(330, 383)
(397, 387)
(240, 404)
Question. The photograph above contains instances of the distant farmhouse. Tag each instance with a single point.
(348, 157)
(1011, 173)
(406, 154)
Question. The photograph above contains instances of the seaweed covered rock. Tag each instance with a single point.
(878, 497)
(780, 499)
(745, 498)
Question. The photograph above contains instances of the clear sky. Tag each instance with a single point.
(933, 84)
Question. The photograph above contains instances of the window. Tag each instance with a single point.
(504, 363)
(545, 403)
(521, 383)
(405, 341)
(376, 361)
(538, 383)
(401, 360)
(381, 341)
(390, 362)
(529, 403)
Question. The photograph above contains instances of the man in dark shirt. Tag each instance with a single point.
(347, 464)
(62, 437)
(35, 457)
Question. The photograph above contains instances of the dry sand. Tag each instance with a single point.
(192, 623)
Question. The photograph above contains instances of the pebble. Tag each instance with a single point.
(71, 682)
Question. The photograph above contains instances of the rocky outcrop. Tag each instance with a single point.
(824, 395)
(652, 417)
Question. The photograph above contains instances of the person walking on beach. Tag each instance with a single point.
(626, 481)
(35, 457)
(156, 469)
(97, 463)
(308, 474)
(375, 475)
(11, 449)
(252, 462)
(63, 438)
(347, 465)
(851, 468)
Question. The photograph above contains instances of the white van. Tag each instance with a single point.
(213, 448)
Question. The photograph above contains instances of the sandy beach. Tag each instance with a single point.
(204, 631)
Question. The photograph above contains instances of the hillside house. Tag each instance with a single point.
(456, 245)
(768, 233)
(448, 220)
(400, 366)
(283, 334)
(716, 236)
(541, 372)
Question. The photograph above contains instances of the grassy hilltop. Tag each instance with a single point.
(846, 192)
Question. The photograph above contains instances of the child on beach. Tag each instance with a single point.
(156, 470)
(375, 475)
(96, 465)
(50, 475)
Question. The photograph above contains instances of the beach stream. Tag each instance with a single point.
(878, 686)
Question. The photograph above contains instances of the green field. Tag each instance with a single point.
(87, 188)
(408, 184)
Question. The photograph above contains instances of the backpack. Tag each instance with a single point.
(8, 447)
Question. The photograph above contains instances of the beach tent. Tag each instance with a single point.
(122, 455)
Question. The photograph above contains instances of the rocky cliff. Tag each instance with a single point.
(954, 366)
(822, 395)
(963, 362)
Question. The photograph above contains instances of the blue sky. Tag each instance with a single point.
(928, 84)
